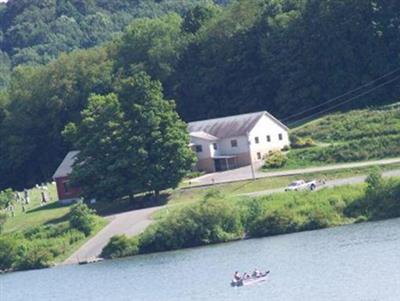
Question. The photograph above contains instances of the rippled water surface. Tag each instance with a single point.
(358, 262)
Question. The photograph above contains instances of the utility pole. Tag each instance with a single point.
(253, 174)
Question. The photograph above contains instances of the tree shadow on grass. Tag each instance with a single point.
(58, 220)
(123, 205)
(50, 206)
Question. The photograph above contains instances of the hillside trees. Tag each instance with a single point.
(151, 45)
(41, 101)
(36, 32)
(284, 56)
(132, 141)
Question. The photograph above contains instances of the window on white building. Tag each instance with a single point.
(268, 138)
(259, 156)
(257, 140)
(234, 143)
(215, 146)
(199, 148)
(280, 136)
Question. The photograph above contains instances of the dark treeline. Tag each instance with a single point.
(37, 31)
(284, 56)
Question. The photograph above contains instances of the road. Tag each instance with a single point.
(330, 183)
(245, 173)
(130, 223)
(134, 222)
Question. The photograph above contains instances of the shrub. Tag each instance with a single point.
(6, 197)
(120, 246)
(273, 223)
(210, 221)
(193, 174)
(298, 142)
(8, 252)
(3, 219)
(35, 256)
(381, 199)
(275, 160)
(82, 218)
(317, 219)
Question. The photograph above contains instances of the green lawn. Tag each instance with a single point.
(196, 194)
(52, 213)
(34, 214)
(355, 136)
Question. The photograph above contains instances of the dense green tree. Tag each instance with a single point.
(162, 150)
(285, 56)
(130, 142)
(196, 17)
(42, 100)
(151, 45)
(37, 31)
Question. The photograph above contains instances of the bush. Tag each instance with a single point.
(3, 219)
(8, 252)
(6, 197)
(210, 221)
(273, 223)
(82, 218)
(35, 256)
(275, 160)
(120, 246)
(298, 142)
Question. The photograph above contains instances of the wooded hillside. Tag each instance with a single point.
(37, 31)
(290, 57)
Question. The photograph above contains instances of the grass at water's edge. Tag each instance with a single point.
(218, 218)
(100, 224)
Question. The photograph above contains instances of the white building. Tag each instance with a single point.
(235, 141)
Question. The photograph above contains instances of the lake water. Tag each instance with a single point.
(356, 263)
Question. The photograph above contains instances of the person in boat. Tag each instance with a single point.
(256, 273)
(246, 276)
(237, 276)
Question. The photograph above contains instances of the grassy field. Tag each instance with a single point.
(358, 135)
(237, 188)
(47, 225)
(220, 218)
(35, 214)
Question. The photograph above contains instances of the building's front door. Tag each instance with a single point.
(220, 165)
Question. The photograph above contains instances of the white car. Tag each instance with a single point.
(302, 185)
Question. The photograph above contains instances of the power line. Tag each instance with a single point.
(342, 95)
(352, 98)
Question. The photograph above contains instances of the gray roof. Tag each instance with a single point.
(231, 126)
(65, 167)
(203, 135)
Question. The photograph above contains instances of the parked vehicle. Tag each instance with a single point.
(303, 185)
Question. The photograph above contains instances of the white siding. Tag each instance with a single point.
(225, 147)
(206, 145)
(267, 127)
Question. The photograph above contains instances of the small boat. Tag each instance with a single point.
(250, 280)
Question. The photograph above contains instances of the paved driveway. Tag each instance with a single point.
(130, 223)
(245, 173)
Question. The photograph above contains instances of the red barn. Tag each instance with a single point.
(66, 192)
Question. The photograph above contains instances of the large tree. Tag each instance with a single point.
(129, 142)
(38, 105)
